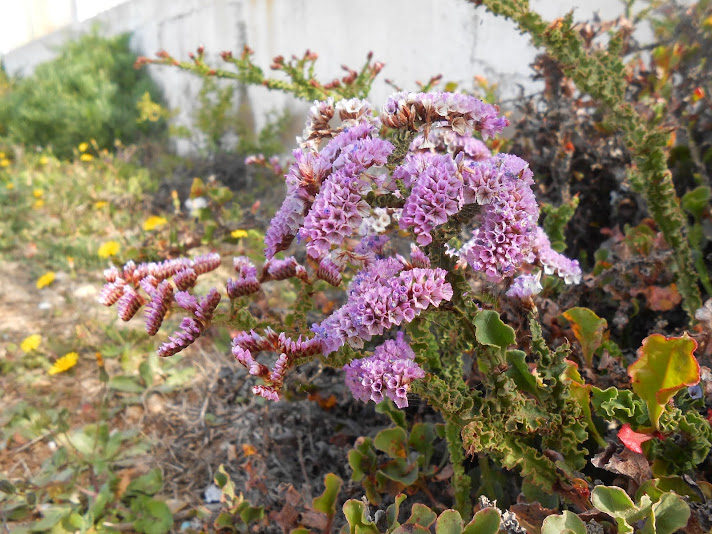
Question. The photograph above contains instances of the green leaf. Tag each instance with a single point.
(670, 513)
(156, 517)
(388, 407)
(355, 514)
(326, 502)
(400, 470)
(520, 373)
(224, 482)
(127, 384)
(148, 484)
(588, 328)
(421, 515)
(612, 501)
(449, 522)
(421, 439)
(616, 503)
(664, 366)
(696, 201)
(491, 331)
(50, 517)
(392, 441)
(568, 521)
(486, 521)
(655, 488)
(393, 510)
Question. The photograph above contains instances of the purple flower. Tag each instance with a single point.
(246, 282)
(382, 296)
(206, 307)
(436, 194)
(553, 262)
(185, 279)
(387, 373)
(505, 237)
(129, 303)
(303, 182)
(525, 286)
(286, 268)
(206, 263)
(462, 113)
(157, 308)
(329, 272)
(190, 330)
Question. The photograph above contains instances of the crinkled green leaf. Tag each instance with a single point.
(664, 366)
(567, 522)
(581, 393)
(486, 521)
(588, 328)
(491, 331)
(696, 201)
(621, 404)
(520, 373)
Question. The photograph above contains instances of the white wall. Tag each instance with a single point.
(415, 38)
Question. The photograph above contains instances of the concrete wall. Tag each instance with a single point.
(415, 38)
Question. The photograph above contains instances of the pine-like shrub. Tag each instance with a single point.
(88, 92)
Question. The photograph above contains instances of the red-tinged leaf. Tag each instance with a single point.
(662, 298)
(632, 439)
(664, 366)
(588, 329)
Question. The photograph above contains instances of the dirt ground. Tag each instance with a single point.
(266, 447)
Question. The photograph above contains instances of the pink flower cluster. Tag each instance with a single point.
(246, 345)
(462, 113)
(122, 285)
(505, 238)
(436, 194)
(382, 296)
(246, 282)
(387, 373)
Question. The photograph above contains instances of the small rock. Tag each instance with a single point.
(86, 291)
(44, 305)
(212, 494)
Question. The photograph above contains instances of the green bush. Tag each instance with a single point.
(89, 91)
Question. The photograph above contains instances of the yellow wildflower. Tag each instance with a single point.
(4, 162)
(100, 204)
(83, 147)
(31, 343)
(9, 186)
(108, 249)
(86, 157)
(2, 155)
(65, 363)
(237, 234)
(37, 193)
(45, 280)
(153, 222)
(44, 160)
(38, 203)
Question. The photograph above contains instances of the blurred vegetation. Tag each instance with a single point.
(89, 91)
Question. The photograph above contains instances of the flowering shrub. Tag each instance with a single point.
(445, 183)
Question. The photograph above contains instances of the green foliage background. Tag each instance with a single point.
(88, 92)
